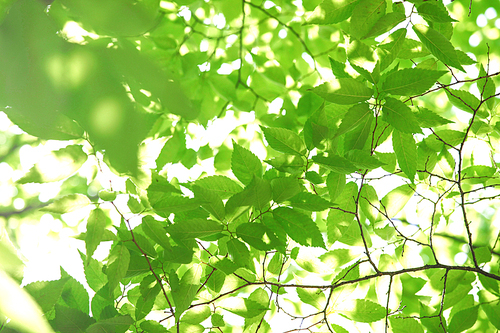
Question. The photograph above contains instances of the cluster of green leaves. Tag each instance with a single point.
(369, 193)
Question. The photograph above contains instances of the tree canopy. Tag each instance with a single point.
(251, 166)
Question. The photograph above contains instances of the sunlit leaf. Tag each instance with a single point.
(343, 91)
(365, 15)
(406, 152)
(438, 45)
(410, 81)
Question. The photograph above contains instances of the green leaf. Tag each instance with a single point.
(216, 280)
(152, 326)
(299, 227)
(184, 292)
(196, 315)
(368, 201)
(389, 51)
(338, 68)
(365, 15)
(175, 204)
(426, 118)
(222, 160)
(94, 275)
(257, 235)
(438, 45)
(406, 152)
(354, 117)
(395, 200)
(450, 137)
(238, 252)
(96, 223)
(312, 297)
(357, 138)
(410, 81)
(385, 23)
(74, 294)
(245, 164)
(332, 11)
(217, 320)
(68, 320)
(107, 195)
(465, 101)
(487, 88)
(412, 49)
(149, 289)
(245, 308)
(178, 254)
(343, 91)
(134, 205)
(118, 262)
(362, 310)
(173, 150)
(405, 325)
(284, 140)
(223, 186)
(400, 116)
(210, 201)
(67, 204)
(309, 201)
(463, 320)
(434, 12)
(118, 324)
(492, 311)
(284, 188)
(335, 183)
(314, 177)
(194, 228)
(46, 293)
(363, 160)
(257, 194)
(335, 163)
(292, 164)
(156, 231)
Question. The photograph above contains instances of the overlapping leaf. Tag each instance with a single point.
(410, 81)
(344, 91)
(438, 45)
(299, 227)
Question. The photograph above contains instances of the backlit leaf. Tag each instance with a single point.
(406, 152)
(362, 310)
(410, 81)
(434, 12)
(194, 228)
(343, 91)
(395, 200)
(299, 227)
(438, 45)
(365, 15)
(284, 140)
(96, 223)
(335, 163)
(400, 116)
(332, 11)
(119, 259)
(245, 164)
(463, 320)
(353, 118)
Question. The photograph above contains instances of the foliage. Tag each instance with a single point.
(366, 198)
